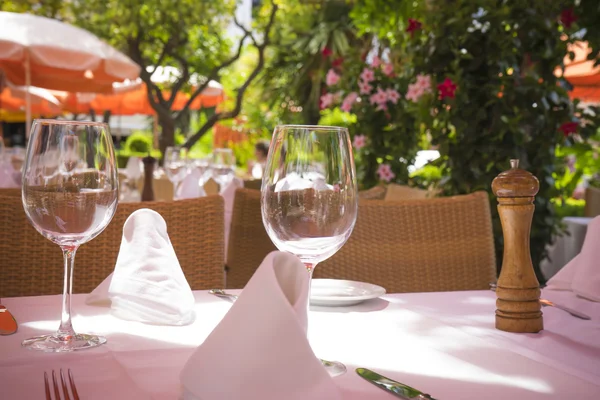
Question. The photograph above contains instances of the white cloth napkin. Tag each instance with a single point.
(190, 186)
(7, 175)
(582, 274)
(133, 169)
(259, 350)
(228, 194)
(147, 284)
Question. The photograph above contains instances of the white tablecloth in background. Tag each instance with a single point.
(565, 247)
(442, 343)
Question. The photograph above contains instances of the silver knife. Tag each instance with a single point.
(391, 386)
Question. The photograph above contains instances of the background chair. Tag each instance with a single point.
(32, 265)
(248, 239)
(439, 244)
(375, 193)
(12, 192)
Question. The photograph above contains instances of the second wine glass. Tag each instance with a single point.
(309, 195)
(176, 166)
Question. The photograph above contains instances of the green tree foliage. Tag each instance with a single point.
(508, 102)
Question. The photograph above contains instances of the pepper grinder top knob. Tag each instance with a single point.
(515, 182)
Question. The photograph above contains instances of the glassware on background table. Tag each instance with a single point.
(223, 167)
(309, 196)
(202, 164)
(176, 166)
(71, 207)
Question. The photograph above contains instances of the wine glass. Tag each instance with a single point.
(309, 197)
(223, 167)
(202, 164)
(176, 165)
(71, 207)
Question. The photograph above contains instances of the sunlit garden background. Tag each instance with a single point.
(438, 95)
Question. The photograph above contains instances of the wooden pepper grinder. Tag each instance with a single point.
(148, 191)
(517, 308)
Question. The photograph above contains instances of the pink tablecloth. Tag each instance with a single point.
(442, 343)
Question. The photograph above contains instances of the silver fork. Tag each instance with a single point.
(63, 384)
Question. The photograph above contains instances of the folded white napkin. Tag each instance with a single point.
(309, 180)
(259, 350)
(190, 186)
(228, 194)
(7, 175)
(133, 170)
(147, 284)
(582, 274)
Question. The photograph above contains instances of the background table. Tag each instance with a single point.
(442, 343)
(565, 247)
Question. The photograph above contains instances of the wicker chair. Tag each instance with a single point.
(248, 239)
(32, 265)
(375, 193)
(253, 184)
(440, 244)
(11, 192)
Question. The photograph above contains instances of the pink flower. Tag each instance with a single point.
(349, 101)
(379, 98)
(332, 78)
(326, 52)
(326, 100)
(376, 62)
(414, 93)
(364, 87)
(367, 75)
(388, 69)
(385, 172)
(359, 141)
(424, 82)
(392, 95)
(381, 107)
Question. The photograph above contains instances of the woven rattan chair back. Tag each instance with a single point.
(248, 240)
(11, 192)
(32, 265)
(440, 244)
(375, 193)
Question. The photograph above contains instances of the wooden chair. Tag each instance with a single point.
(248, 239)
(32, 265)
(439, 244)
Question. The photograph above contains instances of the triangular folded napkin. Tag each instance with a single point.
(582, 274)
(260, 350)
(190, 186)
(147, 284)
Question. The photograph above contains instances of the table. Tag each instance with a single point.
(442, 343)
(565, 247)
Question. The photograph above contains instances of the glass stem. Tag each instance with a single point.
(310, 267)
(65, 331)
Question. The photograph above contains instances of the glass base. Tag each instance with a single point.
(335, 368)
(53, 344)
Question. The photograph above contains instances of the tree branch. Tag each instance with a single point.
(214, 74)
(240, 93)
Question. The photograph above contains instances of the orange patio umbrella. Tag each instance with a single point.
(43, 52)
(12, 98)
(582, 74)
(134, 100)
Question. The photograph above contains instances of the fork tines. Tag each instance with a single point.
(63, 384)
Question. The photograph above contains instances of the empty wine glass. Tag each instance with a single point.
(176, 165)
(202, 164)
(309, 197)
(71, 207)
(223, 167)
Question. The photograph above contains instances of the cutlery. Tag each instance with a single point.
(8, 323)
(223, 294)
(574, 313)
(391, 386)
(549, 303)
(63, 384)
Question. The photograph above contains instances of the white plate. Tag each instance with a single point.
(337, 293)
